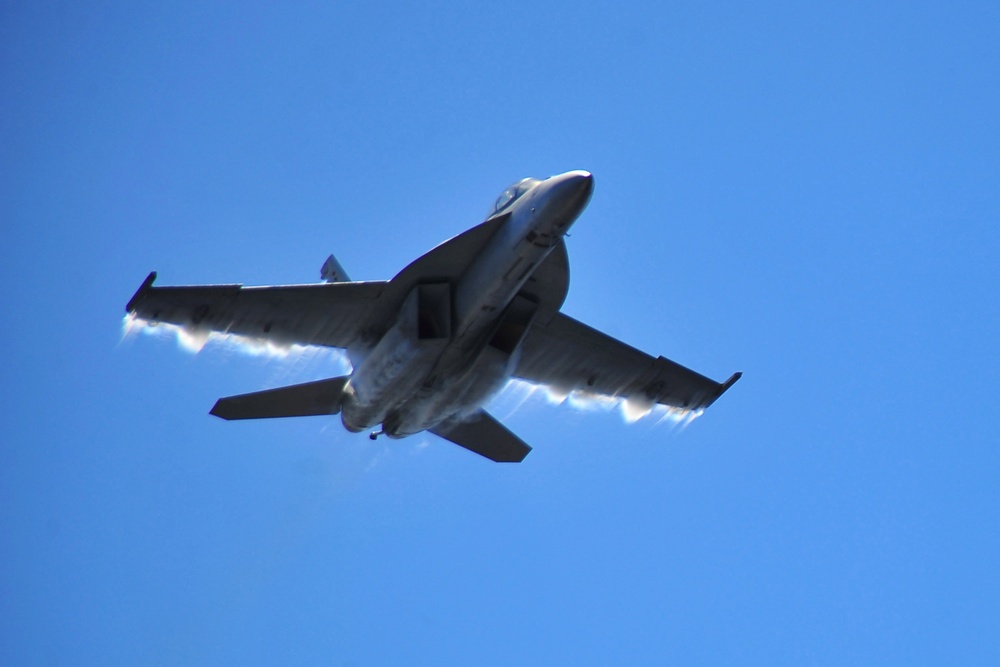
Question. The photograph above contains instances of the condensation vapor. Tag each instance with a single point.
(515, 396)
(518, 395)
(195, 340)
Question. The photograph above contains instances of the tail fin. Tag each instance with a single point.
(333, 272)
(299, 400)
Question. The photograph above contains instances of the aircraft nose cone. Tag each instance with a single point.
(563, 198)
(573, 189)
(581, 181)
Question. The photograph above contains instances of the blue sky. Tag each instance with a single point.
(805, 192)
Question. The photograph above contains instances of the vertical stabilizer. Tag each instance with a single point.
(333, 272)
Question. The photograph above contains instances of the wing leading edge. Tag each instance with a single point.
(571, 356)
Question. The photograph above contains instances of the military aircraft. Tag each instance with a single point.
(432, 345)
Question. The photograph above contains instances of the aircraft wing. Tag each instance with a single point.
(571, 356)
(330, 314)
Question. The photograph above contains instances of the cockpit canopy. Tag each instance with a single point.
(513, 192)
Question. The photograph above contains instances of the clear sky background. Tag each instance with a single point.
(807, 192)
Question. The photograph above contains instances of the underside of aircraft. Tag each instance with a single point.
(430, 346)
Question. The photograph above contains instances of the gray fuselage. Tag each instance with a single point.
(452, 345)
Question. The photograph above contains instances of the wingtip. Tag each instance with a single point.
(146, 284)
(731, 381)
(725, 386)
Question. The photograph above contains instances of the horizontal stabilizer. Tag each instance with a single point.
(485, 436)
(300, 400)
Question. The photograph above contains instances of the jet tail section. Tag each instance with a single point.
(485, 436)
(299, 400)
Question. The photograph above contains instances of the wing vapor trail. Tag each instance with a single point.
(517, 395)
(194, 341)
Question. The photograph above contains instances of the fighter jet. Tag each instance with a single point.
(429, 347)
